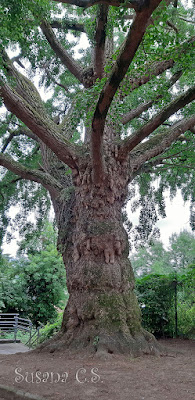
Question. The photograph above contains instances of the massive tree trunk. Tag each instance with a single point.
(102, 313)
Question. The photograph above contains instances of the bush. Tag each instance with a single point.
(156, 298)
(186, 320)
(186, 305)
(51, 329)
(34, 286)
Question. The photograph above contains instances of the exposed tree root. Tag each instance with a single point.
(104, 344)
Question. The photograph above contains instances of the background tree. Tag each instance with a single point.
(122, 112)
(34, 285)
(182, 250)
(151, 258)
(12, 296)
(154, 258)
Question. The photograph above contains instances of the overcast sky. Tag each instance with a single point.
(177, 218)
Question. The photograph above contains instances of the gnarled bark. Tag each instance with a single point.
(102, 314)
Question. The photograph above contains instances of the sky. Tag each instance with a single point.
(177, 217)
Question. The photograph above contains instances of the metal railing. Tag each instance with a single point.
(10, 322)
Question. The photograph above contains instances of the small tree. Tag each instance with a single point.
(34, 286)
(45, 285)
(12, 288)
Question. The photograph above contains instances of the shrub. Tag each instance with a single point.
(186, 320)
(156, 298)
(51, 329)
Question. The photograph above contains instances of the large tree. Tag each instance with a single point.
(120, 108)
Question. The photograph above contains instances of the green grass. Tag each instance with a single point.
(22, 336)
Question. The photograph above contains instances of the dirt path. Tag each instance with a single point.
(59, 377)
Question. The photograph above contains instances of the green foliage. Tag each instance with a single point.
(37, 241)
(34, 285)
(186, 318)
(12, 288)
(154, 258)
(12, 16)
(23, 336)
(182, 249)
(45, 280)
(157, 292)
(51, 328)
(20, 34)
(32, 198)
(186, 305)
(151, 259)
(155, 295)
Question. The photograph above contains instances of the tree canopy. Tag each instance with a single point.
(147, 94)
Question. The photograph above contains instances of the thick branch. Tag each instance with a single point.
(100, 39)
(61, 52)
(35, 175)
(153, 70)
(136, 112)
(155, 122)
(21, 131)
(65, 24)
(40, 125)
(24, 101)
(119, 70)
(23, 86)
(159, 143)
(136, 4)
(145, 106)
(124, 60)
(157, 161)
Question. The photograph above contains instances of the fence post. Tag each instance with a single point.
(38, 333)
(15, 327)
(30, 333)
(175, 295)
